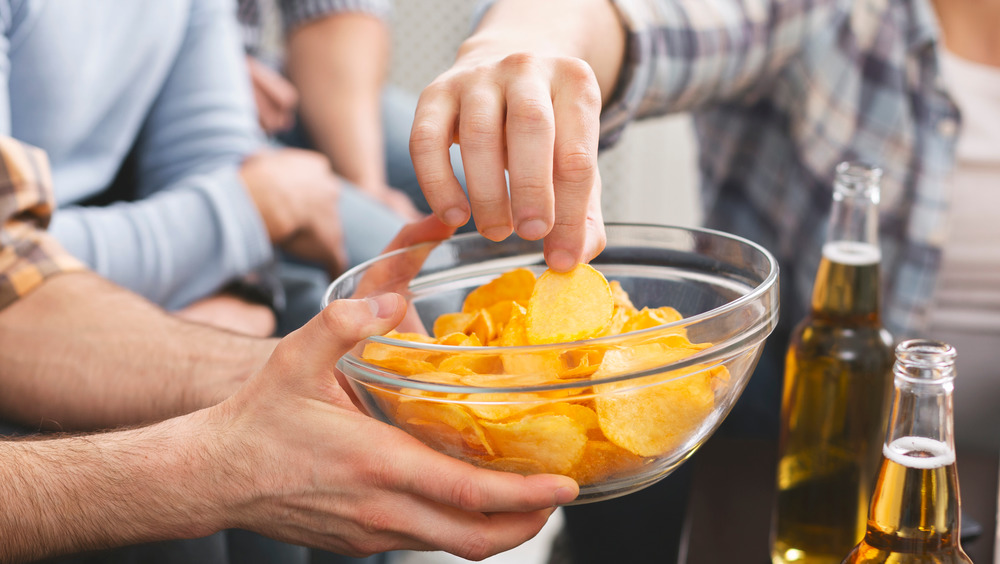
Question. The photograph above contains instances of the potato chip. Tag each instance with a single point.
(554, 441)
(412, 337)
(569, 306)
(544, 364)
(647, 318)
(404, 366)
(523, 466)
(620, 296)
(602, 460)
(482, 326)
(500, 313)
(662, 411)
(448, 323)
(468, 363)
(515, 285)
(582, 414)
(445, 427)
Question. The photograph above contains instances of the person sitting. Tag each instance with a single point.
(225, 431)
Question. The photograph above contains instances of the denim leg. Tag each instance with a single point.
(398, 109)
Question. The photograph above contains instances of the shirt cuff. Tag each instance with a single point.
(28, 258)
(295, 14)
(633, 79)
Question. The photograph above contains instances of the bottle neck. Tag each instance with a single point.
(848, 282)
(916, 500)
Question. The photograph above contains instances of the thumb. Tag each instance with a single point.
(320, 343)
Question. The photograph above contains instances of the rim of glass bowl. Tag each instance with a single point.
(722, 349)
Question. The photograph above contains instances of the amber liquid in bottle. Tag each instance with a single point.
(836, 393)
(914, 514)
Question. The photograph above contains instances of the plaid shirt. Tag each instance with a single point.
(783, 90)
(27, 254)
(298, 12)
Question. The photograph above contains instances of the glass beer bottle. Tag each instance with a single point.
(914, 515)
(836, 390)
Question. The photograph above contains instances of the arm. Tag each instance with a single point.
(194, 227)
(605, 62)
(338, 64)
(288, 456)
(81, 353)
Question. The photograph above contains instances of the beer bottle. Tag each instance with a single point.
(914, 515)
(836, 389)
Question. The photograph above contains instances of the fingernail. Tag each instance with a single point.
(496, 233)
(565, 495)
(455, 217)
(532, 229)
(383, 306)
(560, 260)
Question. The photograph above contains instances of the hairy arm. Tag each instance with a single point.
(79, 352)
(82, 493)
(338, 64)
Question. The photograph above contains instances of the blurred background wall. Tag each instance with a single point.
(649, 177)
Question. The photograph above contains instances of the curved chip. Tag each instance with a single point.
(515, 285)
(569, 306)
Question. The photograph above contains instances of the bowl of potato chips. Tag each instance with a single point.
(613, 373)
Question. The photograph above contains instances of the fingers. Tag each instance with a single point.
(316, 347)
(468, 488)
(277, 88)
(531, 132)
(481, 130)
(577, 102)
(434, 126)
(276, 97)
(430, 228)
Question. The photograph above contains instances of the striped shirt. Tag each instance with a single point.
(298, 12)
(28, 255)
(783, 90)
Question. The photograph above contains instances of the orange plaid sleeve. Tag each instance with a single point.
(28, 255)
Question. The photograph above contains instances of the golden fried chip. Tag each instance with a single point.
(482, 326)
(647, 318)
(513, 285)
(554, 441)
(467, 363)
(445, 427)
(404, 366)
(602, 460)
(500, 313)
(582, 414)
(569, 306)
(523, 466)
(620, 296)
(662, 411)
(448, 323)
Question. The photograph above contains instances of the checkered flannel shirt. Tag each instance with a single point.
(783, 90)
(27, 254)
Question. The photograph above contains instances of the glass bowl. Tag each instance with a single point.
(616, 413)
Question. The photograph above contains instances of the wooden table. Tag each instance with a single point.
(733, 491)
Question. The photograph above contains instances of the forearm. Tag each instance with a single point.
(82, 353)
(75, 494)
(587, 29)
(338, 64)
(175, 245)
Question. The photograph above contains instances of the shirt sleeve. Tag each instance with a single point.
(298, 12)
(28, 255)
(193, 227)
(685, 53)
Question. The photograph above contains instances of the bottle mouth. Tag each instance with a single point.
(858, 178)
(925, 360)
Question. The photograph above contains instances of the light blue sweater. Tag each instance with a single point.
(87, 81)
